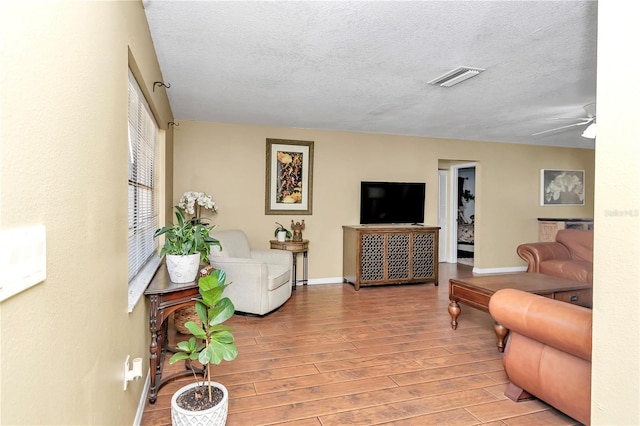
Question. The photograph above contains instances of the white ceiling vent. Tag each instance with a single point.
(456, 76)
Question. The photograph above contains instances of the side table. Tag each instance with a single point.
(165, 297)
(295, 247)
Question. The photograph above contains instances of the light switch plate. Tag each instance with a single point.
(23, 259)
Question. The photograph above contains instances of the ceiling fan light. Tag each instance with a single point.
(590, 131)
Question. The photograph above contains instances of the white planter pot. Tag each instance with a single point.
(215, 416)
(183, 269)
(282, 236)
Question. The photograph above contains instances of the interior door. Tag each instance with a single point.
(452, 248)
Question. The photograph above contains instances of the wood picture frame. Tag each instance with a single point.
(289, 177)
(561, 187)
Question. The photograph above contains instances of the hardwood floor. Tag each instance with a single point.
(379, 356)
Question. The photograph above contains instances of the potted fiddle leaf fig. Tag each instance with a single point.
(206, 402)
(186, 244)
(282, 233)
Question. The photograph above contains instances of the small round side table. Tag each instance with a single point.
(295, 247)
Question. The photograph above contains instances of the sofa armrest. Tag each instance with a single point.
(561, 325)
(241, 265)
(536, 253)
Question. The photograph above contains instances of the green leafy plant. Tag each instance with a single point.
(188, 236)
(212, 342)
(281, 228)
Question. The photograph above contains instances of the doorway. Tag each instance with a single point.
(462, 213)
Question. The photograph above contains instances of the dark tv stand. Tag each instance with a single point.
(389, 254)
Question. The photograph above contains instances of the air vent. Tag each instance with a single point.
(456, 76)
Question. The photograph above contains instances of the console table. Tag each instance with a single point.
(549, 227)
(389, 254)
(165, 297)
(295, 247)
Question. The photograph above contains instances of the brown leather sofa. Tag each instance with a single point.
(548, 351)
(569, 257)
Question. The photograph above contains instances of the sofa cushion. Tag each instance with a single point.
(278, 275)
(574, 270)
(579, 243)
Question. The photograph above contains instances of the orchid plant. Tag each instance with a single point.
(187, 237)
(193, 203)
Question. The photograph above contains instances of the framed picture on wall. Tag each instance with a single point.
(561, 187)
(289, 177)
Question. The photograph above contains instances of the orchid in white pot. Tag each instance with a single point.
(187, 243)
(194, 203)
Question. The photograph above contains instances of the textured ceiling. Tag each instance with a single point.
(364, 66)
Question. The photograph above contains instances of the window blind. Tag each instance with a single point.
(143, 197)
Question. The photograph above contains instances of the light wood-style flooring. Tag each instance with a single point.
(383, 355)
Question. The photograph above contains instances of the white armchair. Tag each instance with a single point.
(260, 279)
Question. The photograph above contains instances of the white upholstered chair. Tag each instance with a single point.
(260, 279)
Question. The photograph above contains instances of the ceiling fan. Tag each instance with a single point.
(589, 120)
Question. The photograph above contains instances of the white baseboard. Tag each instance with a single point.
(505, 270)
(143, 400)
(331, 280)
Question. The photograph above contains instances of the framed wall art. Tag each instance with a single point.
(561, 187)
(289, 177)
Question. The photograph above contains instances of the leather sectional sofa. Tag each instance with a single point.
(548, 351)
(569, 257)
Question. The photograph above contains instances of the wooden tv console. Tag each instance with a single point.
(389, 254)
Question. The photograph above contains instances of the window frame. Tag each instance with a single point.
(148, 260)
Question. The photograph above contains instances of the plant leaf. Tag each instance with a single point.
(223, 337)
(178, 356)
(201, 310)
(226, 351)
(223, 310)
(195, 329)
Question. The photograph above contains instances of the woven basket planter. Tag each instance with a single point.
(182, 315)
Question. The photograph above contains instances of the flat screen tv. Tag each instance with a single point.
(392, 202)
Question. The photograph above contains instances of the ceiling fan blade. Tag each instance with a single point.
(565, 127)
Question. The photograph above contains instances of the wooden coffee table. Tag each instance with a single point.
(476, 292)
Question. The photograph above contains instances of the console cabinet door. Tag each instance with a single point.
(398, 256)
(372, 259)
(424, 257)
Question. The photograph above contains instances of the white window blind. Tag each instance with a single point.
(143, 199)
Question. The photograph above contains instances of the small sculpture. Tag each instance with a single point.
(297, 230)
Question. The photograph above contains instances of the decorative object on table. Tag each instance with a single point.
(294, 247)
(282, 233)
(289, 180)
(297, 230)
(561, 187)
(194, 202)
(206, 402)
(185, 240)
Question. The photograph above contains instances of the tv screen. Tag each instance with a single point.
(392, 202)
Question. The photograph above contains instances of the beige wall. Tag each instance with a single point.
(64, 165)
(616, 325)
(63, 110)
(228, 161)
